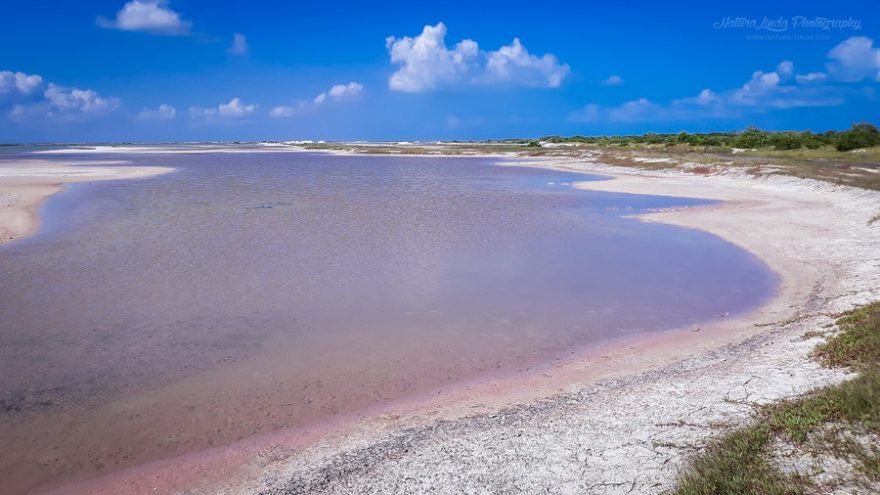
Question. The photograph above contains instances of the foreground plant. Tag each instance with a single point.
(837, 420)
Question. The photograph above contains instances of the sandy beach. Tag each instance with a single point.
(25, 184)
(618, 418)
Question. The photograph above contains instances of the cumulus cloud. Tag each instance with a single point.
(776, 89)
(19, 82)
(785, 68)
(855, 59)
(235, 109)
(24, 96)
(427, 63)
(613, 80)
(515, 65)
(764, 88)
(163, 112)
(239, 45)
(75, 100)
(151, 16)
(340, 92)
(336, 94)
(707, 97)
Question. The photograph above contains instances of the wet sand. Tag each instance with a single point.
(25, 184)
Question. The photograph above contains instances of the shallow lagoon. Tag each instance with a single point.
(279, 289)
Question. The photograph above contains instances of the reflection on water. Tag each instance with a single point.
(249, 292)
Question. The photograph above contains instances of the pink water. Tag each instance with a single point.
(250, 292)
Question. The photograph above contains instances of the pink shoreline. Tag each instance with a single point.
(586, 364)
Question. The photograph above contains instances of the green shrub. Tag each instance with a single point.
(858, 136)
(786, 140)
(751, 138)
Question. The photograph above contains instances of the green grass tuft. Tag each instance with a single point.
(858, 344)
(738, 463)
(856, 401)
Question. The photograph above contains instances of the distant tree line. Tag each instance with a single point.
(857, 136)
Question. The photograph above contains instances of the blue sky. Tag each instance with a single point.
(147, 70)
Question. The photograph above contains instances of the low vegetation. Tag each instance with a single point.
(858, 136)
(841, 421)
(850, 157)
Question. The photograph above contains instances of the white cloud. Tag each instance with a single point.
(513, 64)
(22, 83)
(763, 91)
(613, 80)
(336, 94)
(235, 109)
(855, 59)
(761, 84)
(78, 100)
(785, 69)
(152, 16)
(340, 92)
(239, 45)
(163, 112)
(28, 96)
(707, 97)
(427, 63)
